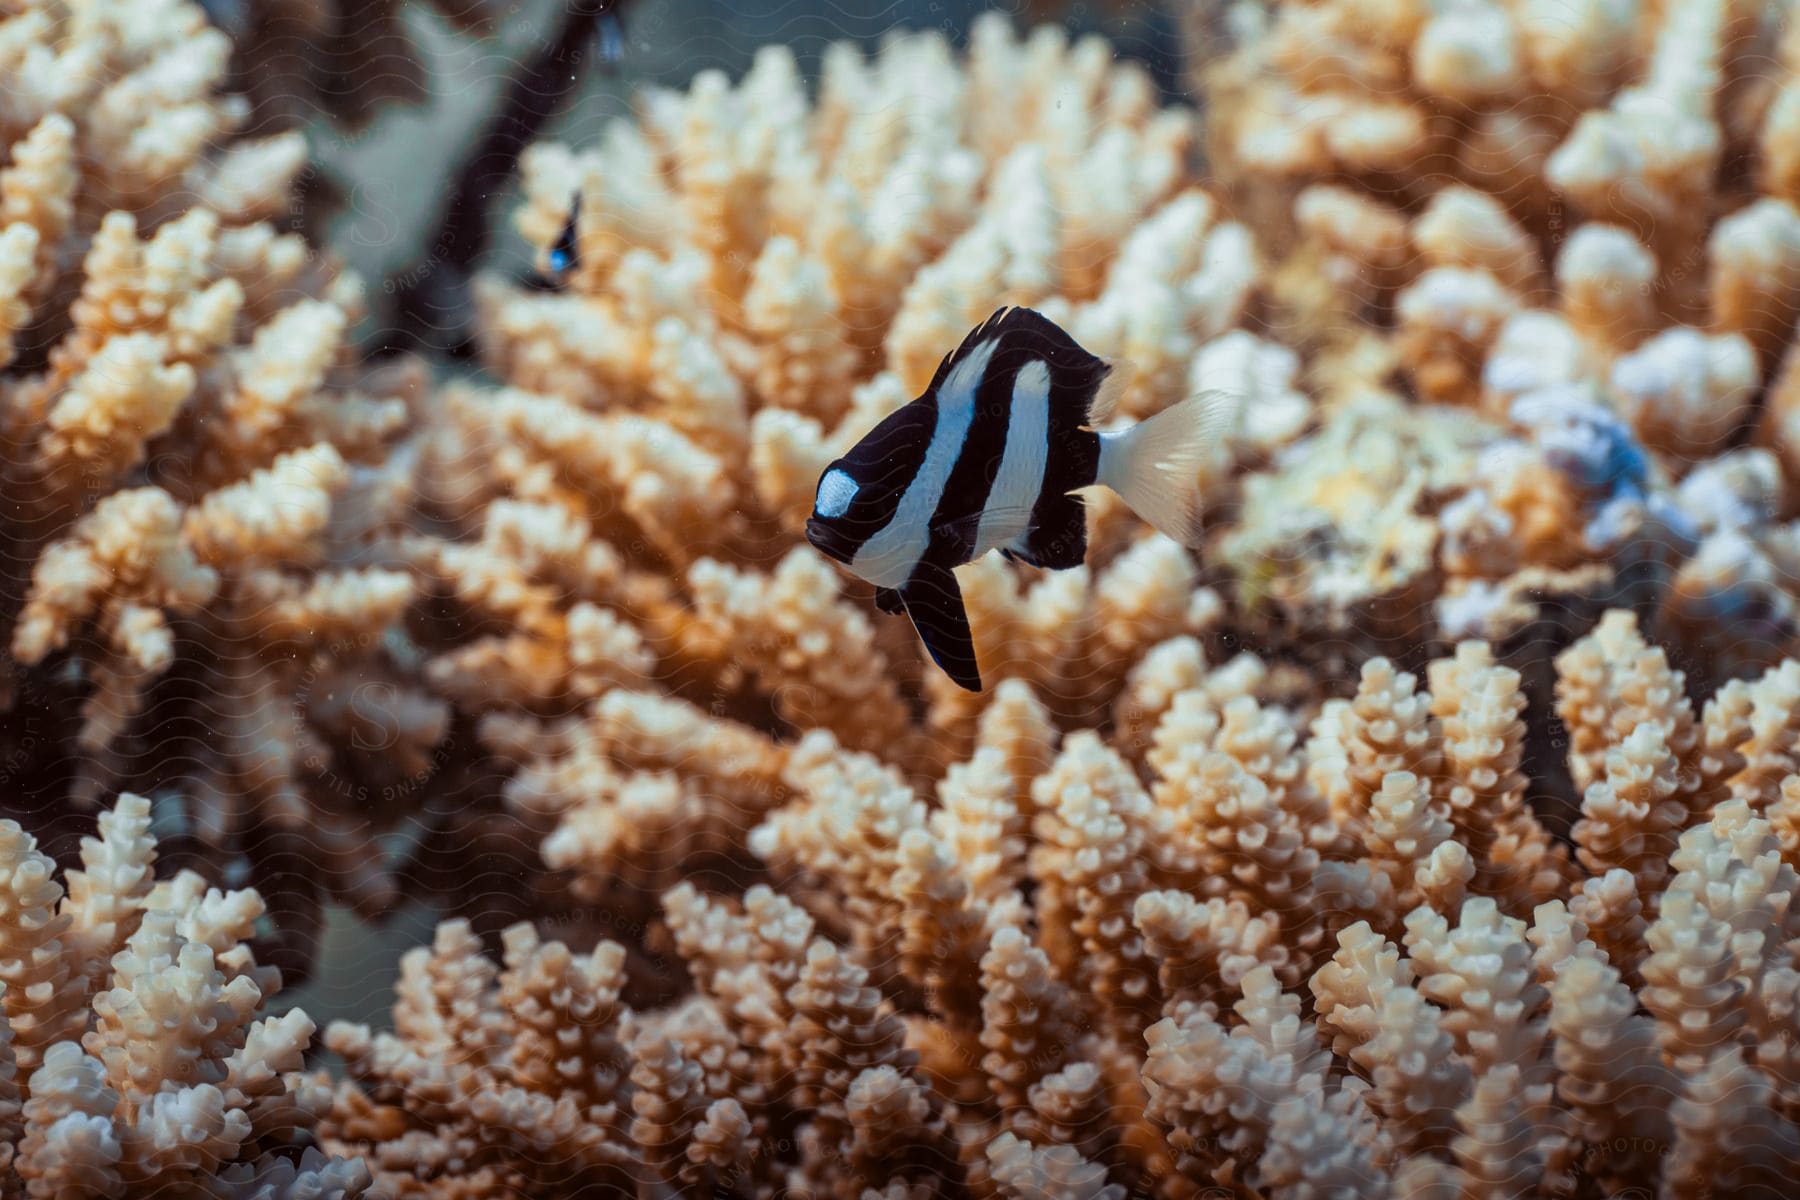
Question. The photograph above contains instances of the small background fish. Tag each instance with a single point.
(563, 257)
(993, 457)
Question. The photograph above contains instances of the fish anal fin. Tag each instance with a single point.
(935, 604)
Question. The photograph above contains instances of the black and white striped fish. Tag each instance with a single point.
(992, 457)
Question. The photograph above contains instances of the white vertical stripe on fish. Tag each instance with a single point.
(1007, 514)
(887, 559)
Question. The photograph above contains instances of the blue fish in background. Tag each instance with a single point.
(563, 257)
(609, 36)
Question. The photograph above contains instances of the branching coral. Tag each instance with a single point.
(1214, 971)
(1296, 928)
(611, 542)
(193, 476)
(1527, 214)
(1152, 915)
(132, 1058)
(758, 278)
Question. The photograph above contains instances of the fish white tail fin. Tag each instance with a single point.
(1155, 465)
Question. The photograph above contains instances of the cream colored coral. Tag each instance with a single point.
(1023, 1171)
(484, 1066)
(955, 932)
(1688, 983)
(1095, 831)
(144, 1062)
(1685, 392)
(130, 545)
(1754, 260)
(764, 334)
(1727, 1133)
(1462, 227)
(1587, 142)
(948, 878)
(1375, 1016)
(1481, 971)
(1450, 318)
(1387, 728)
(1606, 278)
(1203, 950)
(1482, 1048)
(944, 927)
(181, 428)
(980, 821)
(796, 638)
(1259, 1075)
(1180, 280)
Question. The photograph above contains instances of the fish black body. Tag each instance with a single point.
(993, 457)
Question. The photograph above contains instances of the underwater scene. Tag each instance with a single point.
(899, 599)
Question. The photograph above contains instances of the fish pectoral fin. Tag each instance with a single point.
(935, 604)
(1026, 555)
(957, 534)
(888, 600)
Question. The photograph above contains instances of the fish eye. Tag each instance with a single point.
(836, 491)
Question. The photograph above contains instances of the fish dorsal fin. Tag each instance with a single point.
(971, 340)
(1022, 334)
(1119, 374)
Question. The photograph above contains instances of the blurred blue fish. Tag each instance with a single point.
(564, 256)
(609, 37)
